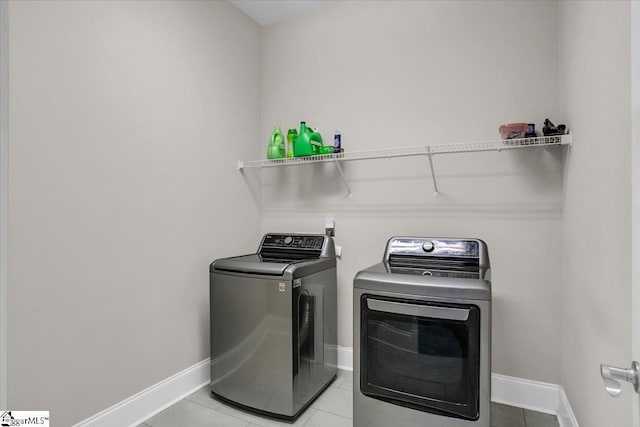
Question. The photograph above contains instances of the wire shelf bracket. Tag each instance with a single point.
(433, 173)
(344, 178)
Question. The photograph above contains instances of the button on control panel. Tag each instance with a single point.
(428, 246)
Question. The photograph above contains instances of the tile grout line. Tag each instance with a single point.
(326, 412)
(315, 411)
(220, 412)
(187, 399)
(242, 419)
(203, 405)
(554, 423)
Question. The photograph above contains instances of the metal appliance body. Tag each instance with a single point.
(422, 335)
(274, 325)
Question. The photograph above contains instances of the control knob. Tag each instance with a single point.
(428, 246)
(288, 240)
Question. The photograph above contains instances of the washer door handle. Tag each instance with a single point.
(431, 311)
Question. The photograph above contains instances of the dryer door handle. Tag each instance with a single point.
(431, 311)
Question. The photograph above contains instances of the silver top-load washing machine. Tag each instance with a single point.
(422, 335)
(273, 325)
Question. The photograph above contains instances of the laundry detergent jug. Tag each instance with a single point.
(275, 150)
(307, 143)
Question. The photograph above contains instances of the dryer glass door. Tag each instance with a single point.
(423, 355)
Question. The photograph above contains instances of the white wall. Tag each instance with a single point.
(127, 119)
(126, 122)
(635, 193)
(394, 74)
(4, 173)
(596, 87)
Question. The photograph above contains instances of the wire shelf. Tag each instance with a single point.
(422, 150)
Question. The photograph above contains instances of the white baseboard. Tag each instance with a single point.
(345, 358)
(145, 404)
(527, 394)
(141, 406)
(566, 417)
(513, 391)
(533, 395)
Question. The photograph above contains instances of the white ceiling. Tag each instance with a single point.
(266, 12)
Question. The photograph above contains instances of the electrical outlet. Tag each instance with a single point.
(330, 226)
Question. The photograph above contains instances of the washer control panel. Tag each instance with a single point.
(293, 241)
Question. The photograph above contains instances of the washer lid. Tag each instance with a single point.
(251, 264)
(280, 254)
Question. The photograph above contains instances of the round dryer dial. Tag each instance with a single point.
(428, 246)
(288, 240)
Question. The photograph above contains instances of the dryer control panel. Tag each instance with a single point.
(429, 247)
(438, 257)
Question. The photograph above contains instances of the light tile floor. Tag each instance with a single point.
(333, 408)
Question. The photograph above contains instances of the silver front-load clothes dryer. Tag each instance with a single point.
(274, 326)
(422, 335)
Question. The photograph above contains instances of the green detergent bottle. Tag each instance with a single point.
(291, 136)
(307, 143)
(275, 150)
